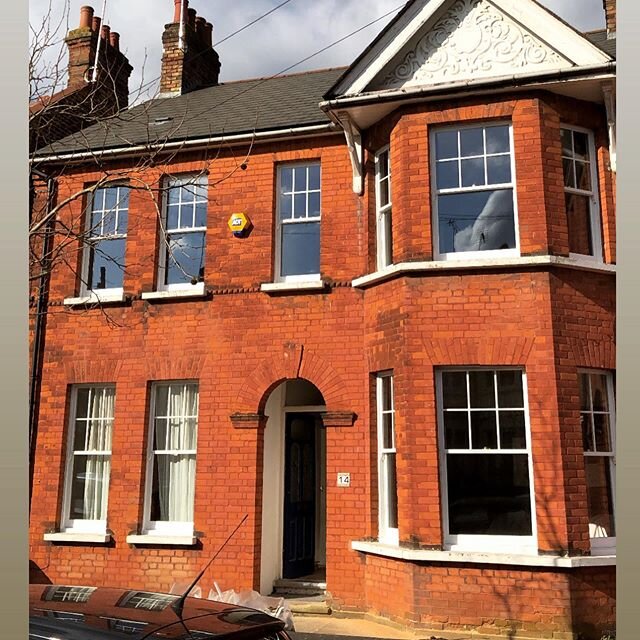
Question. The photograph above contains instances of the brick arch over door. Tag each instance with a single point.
(294, 361)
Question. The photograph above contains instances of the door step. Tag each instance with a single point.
(299, 587)
(311, 606)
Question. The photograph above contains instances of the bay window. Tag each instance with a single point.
(383, 209)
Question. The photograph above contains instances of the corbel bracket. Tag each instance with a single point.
(356, 151)
(609, 94)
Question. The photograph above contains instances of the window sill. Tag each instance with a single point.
(302, 285)
(477, 557)
(95, 298)
(523, 262)
(197, 291)
(156, 539)
(72, 536)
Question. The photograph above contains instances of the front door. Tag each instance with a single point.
(299, 495)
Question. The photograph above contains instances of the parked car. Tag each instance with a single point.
(64, 612)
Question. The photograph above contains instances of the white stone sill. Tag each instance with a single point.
(302, 285)
(197, 291)
(185, 541)
(402, 268)
(95, 298)
(481, 557)
(73, 536)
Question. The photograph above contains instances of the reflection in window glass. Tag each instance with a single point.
(474, 189)
(147, 600)
(486, 454)
(68, 594)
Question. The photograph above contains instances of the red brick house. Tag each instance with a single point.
(371, 308)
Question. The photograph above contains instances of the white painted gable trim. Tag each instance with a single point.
(556, 35)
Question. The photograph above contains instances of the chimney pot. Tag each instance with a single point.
(114, 40)
(200, 27)
(192, 18)
(208, 34)
(95, 24)
(86, 15)
(106, 30)
(176, 8)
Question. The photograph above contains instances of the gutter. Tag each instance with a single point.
(276, 134)
(468, 86)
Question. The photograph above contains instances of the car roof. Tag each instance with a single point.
(70, 612)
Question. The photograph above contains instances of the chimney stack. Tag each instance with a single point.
(111, 92)
(188, 60)
(610, 13)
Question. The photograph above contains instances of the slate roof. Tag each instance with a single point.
(260, 104)
(599, 38)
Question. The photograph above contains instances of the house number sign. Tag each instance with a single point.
(344, 479)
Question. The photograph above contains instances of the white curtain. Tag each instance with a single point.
(176, 471)
(99, 429)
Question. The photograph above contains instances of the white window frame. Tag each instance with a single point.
(305, 277)
(593, 195)
(386, 534)
(435, 192)
(384, 248)
(170, 182)
(68, 524)
(477, 542)
(604, 545)
(165, 527)
(85, 289)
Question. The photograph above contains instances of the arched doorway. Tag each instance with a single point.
(294, 481)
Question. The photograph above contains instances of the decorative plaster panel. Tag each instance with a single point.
(472, 40)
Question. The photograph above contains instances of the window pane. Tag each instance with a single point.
(585, 400)
(384, 193)
(173, 195)
(314, 177)
(447, 175)
(314, 204)
(108, 222)
(567, 144)
(602, 432)
(510, 393)
(385, 382)
(579, 223)
(498, 169)
(600, 497)
(173, 212)
(286, 207)
(106, 264)
(483, 430)
(82, 402)
(300, 248)
(201, 214)
(599, 391)
(186, 215)
(482, 389)
(583, 176)
(387, 431)
(489, 494)
(587, 432)
(512, 430)
(300, 178)
(581, 145)
(286, 180)
(383, 165)
(497, 139)
(173, 488)
(446, 144)
(391, 489)
(456, 429)
(185, 259)
(569, 178)
(300, 205)
(471, 142)
(473, 172)
(476, 221)
(454, 389)
(89, 483)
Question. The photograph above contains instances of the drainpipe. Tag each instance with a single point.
(40, 320)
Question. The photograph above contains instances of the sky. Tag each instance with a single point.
(293, 32)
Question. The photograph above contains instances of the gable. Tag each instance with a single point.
(472, 39)
(431, 42)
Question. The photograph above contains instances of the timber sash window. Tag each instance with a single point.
(172, 458)
(105, 240)
(184, 224)
(474, 196)
(298, 223)
(387, 476)
(89, 459)
(383, 209)
(597, 417)
(581, 192)
(486, 460)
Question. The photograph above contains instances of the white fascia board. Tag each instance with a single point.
(390, 45)
(566, 41)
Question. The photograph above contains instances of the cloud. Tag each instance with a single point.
(288, 35)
